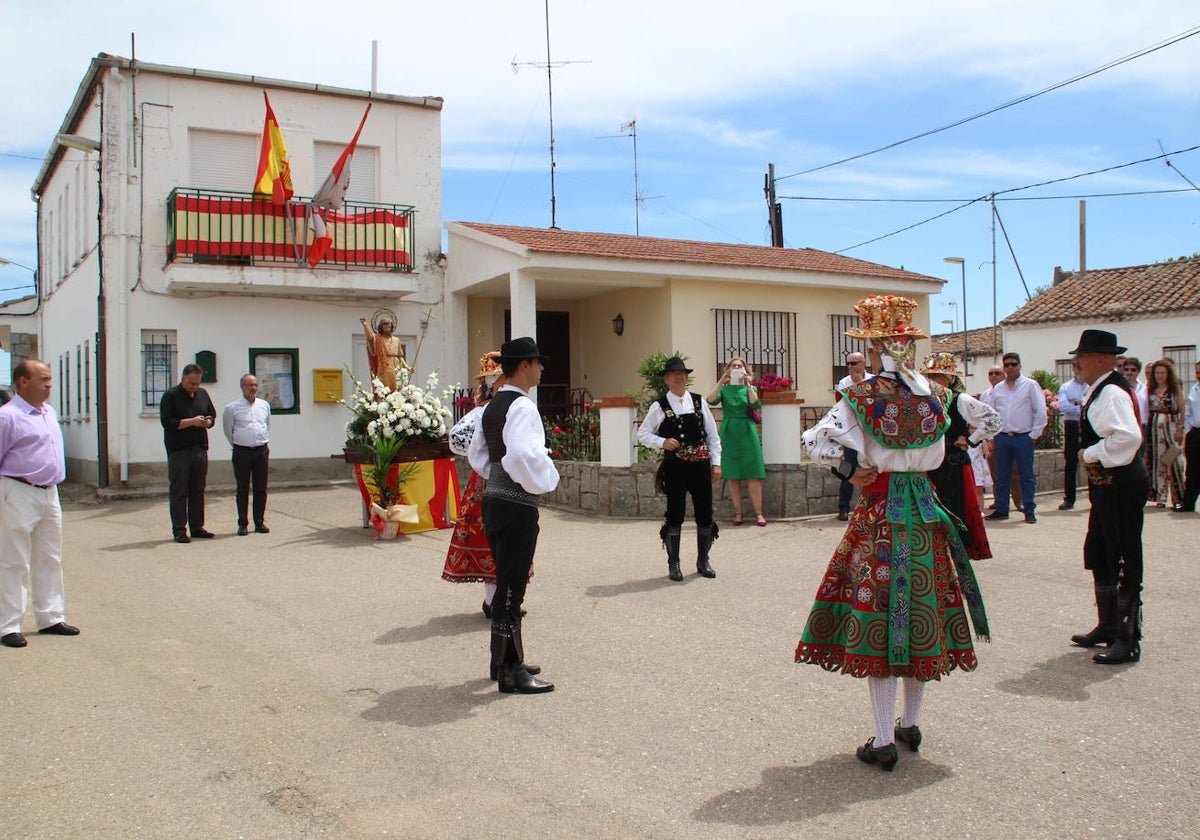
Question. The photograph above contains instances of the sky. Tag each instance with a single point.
(718, 91)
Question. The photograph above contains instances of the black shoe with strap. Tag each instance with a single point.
(885, 756)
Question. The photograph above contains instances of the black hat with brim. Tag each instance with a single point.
(673, 364)
(520, 349)
(1098, 341)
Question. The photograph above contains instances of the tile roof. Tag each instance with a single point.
(1109, 294)
(979, 342)
(623, 246)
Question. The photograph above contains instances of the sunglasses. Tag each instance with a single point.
(1135, 370)
(854, 364)
(1012, 364)
(995, 373)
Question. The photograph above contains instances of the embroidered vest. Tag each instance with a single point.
(895, 417)
(688, 429)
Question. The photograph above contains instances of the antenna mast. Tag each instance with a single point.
(549, 65)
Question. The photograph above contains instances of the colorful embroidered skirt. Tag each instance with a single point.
(470, 556)
(896, 595)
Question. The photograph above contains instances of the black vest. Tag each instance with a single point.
(1136, 469)
(688, 429)
(493, 423)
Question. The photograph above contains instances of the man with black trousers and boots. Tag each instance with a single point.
(1109, 439)
(680, 424)
(511, 455)
(1070, 404)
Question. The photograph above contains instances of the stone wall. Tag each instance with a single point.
(789, 490)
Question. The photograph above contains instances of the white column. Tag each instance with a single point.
(522, 293)
(781, 429)
(618, 437)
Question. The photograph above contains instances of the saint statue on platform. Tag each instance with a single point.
(384, 350)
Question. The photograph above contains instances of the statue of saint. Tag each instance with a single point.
(384, 350)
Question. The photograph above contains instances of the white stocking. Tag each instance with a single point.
(489, 592)
(914, 699)
(883, 707)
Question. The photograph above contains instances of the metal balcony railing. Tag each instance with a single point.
(238, 228)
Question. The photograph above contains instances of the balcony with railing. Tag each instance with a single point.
(219, 240)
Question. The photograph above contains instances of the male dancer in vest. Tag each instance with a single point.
(680, 424)
(511, 455)
(1109, 438)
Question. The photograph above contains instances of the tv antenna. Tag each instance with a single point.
(629, 129)
(549, 65)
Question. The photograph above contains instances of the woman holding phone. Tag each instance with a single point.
(742, 458)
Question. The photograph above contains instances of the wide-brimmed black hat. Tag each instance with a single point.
(1098, 341)
(674, 363)
(520, 349)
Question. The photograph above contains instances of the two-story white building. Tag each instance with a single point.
(153, 253)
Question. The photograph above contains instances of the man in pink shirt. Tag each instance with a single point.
(32, 465)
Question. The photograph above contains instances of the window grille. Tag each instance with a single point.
(766, 340)
(1183, 356)
(79, 379)
(1064, 370)
(843, 345)
(158, 366)
(87, 378)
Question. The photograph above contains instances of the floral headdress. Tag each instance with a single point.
(489, 364)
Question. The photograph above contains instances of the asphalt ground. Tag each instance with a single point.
(311, 683)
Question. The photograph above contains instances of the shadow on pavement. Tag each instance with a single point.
(430, 705)
(1065, 677)
(439, 625)
(612, 590)
(794, 794)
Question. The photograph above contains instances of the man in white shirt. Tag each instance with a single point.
(1191, 445)
(680, 424)
(1022, 407)
(510, 453)
(1070, 403)
(1118, 483)
(1131, 368)
(247, 426)
(857, 363)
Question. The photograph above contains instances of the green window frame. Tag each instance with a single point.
(278, 372)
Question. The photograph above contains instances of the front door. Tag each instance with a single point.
(554, 340)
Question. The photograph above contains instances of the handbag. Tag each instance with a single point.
(754, 414)
(1171, 454)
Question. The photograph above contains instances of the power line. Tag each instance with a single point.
(1019, 100)
(1193, 188)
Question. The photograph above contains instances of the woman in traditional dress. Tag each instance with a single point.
(384, 352)
(895, 598)
(469, 558)
(954, 480)
(741, 458)
(1165, 425)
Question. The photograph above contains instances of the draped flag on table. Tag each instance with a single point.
(331, 196)
(274, 179)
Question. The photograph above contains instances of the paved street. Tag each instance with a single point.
(312, 683)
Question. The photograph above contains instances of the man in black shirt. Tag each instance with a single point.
(187, 414)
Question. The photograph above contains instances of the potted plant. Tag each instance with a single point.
(387, 431)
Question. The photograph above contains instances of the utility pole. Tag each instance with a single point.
(774, 209)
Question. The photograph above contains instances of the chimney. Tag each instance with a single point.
(1060, 275)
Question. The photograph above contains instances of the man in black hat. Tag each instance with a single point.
(511, 455)
(1109, 439)
(680, 424)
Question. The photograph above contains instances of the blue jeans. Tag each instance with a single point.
(1009, 450)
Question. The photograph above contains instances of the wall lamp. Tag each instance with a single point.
(619, 324)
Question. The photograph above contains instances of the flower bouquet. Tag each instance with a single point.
(383, 422)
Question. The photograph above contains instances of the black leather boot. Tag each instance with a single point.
(502, 636)
(1105, 632)
(1128, 646)
(704, 541)
(517, 677)
(670, 537)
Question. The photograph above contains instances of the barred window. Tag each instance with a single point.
(843, 345)
(1064, 369)
(1183, 356)
(158, 366)
(766, 340)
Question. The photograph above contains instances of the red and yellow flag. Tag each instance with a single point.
(274, 179)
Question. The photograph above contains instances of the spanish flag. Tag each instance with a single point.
(274, 178)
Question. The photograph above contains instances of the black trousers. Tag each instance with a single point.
(1071, 453)
(1191, 451)
(187, 475)
(250, 465)
(682, 478)
(1112, 549)
(512, 531)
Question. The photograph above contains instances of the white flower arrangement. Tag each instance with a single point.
(407, 412)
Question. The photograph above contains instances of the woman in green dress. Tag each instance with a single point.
(741, 450)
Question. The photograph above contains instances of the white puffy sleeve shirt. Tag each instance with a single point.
(1111, 417)
(526, 458)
